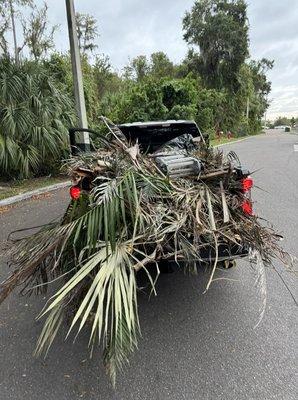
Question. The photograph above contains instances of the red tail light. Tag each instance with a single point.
(75, 192)
(247, 207)
(247, 184)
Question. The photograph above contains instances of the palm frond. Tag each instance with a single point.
(31, 105)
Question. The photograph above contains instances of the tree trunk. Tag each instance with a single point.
(16, 51)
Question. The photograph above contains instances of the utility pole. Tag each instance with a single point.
(82, 138)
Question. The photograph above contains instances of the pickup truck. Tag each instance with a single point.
(147, 194)
(178, 136)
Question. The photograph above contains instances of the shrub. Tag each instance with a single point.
(35, 113)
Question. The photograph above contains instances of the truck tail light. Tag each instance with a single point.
(246, 184)
(75, 192)
(247, 207)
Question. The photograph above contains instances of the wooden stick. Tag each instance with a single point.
(226, 216)
(214, 174)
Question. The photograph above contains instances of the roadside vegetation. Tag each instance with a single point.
(223, 140)
(217, 83)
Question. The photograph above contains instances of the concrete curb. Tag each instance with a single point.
(28, 195)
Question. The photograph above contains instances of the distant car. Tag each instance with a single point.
(286, 128)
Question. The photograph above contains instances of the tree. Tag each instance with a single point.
(180, 98)
(259, 69)
(282, 121)
(152, 99)
(137, 69)
(37, 36)
(4, 25)
(87, 32)
(252, 96)
(219, 28)
(105, 78)
(11, 8)
(138, 101)
(161, 66)
(261, 86)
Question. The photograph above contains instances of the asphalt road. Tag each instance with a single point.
(195, 346)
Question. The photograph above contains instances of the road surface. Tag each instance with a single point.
(195, 346)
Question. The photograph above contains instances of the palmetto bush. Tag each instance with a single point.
(35, 113)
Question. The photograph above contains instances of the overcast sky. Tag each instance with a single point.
(132, 27)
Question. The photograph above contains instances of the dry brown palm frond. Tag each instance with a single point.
(257, 264)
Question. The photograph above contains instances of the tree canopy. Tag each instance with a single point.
(216, 84)
(219, 28)
(87, 32)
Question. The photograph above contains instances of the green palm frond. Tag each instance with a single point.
(112, 295)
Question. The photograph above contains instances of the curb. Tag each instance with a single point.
(28, 195)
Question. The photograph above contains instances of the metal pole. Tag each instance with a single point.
(82, 138)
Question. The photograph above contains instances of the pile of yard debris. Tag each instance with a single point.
(129, 210)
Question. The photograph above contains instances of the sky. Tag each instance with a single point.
(132, 27)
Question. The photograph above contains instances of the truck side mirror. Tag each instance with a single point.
(76, 147)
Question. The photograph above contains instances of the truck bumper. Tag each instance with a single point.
(225, 252)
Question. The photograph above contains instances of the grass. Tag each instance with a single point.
(13, 188)
(223, 140)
